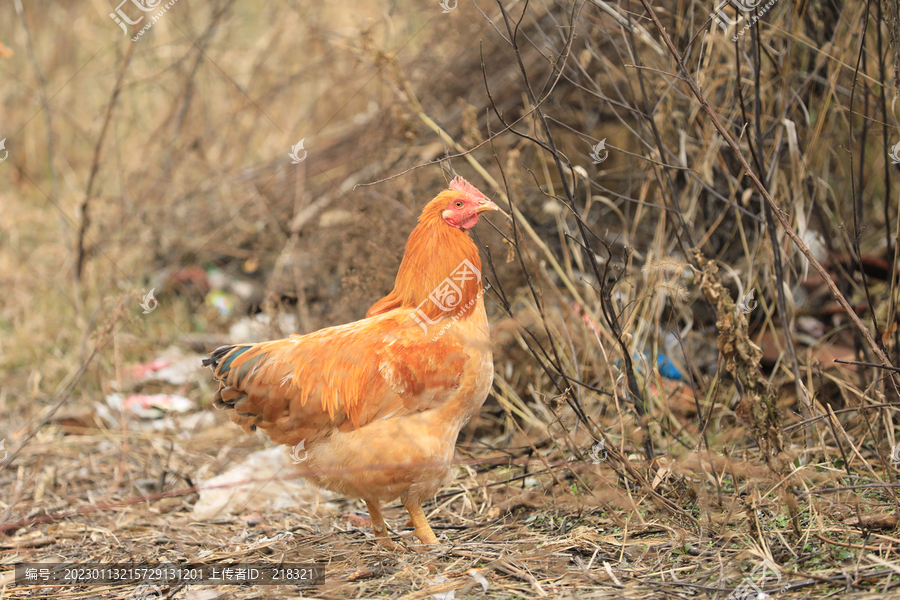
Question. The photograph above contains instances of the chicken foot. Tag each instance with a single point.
(379, 528)
(423, 529)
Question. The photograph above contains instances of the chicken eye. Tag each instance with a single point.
(459, 204)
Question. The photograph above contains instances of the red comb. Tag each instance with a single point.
(461, 185)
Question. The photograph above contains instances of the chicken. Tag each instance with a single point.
(377, 404)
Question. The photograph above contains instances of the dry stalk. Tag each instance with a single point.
(742, 358)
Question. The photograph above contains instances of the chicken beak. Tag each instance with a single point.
(486, 206)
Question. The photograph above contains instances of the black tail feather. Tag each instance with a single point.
(216, 356)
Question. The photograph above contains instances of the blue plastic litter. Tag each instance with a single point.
(666, 368)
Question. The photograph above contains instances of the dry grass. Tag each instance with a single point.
(146, 165)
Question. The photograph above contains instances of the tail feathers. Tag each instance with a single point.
(227, 397)
(229, 394)
(222, 361)
(221, 358)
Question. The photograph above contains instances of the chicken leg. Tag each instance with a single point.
(378, 526)
(423, 529)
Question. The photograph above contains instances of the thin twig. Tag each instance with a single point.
(81, 253)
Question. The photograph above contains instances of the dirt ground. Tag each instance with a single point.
(507, 531)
